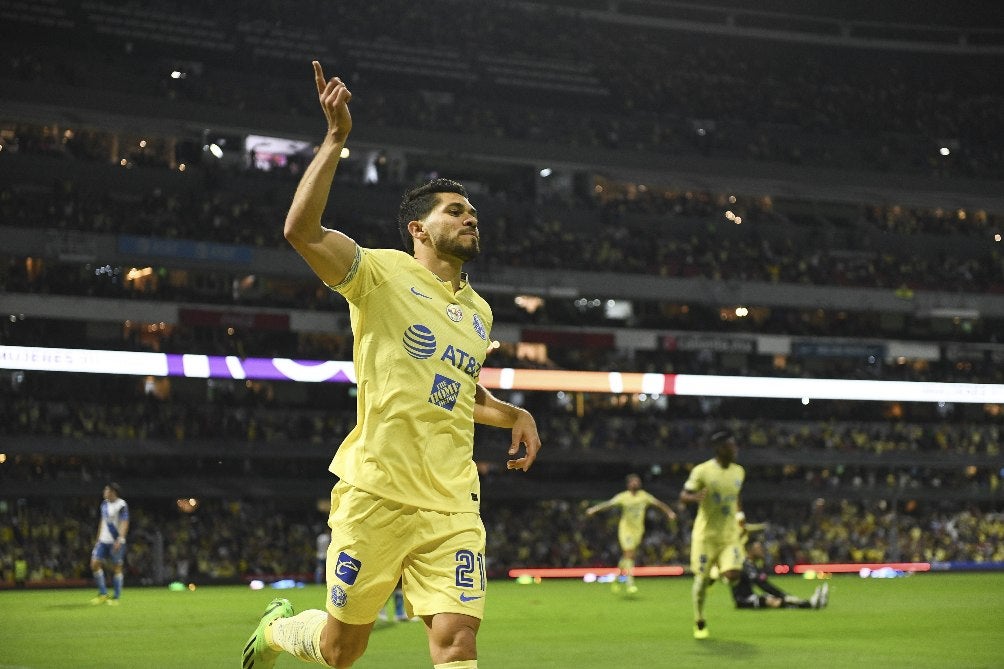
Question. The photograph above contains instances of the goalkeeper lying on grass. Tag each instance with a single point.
(754, 591)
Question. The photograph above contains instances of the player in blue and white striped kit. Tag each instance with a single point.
(111, 544)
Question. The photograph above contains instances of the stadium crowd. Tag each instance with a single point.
(866, 361)
(877, 108)
(253, 199)
(847, 532)
(852, 480)
(233, 541)
(710, 247)
(250, 417)
(718, 99)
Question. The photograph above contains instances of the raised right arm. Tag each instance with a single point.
(329, 253)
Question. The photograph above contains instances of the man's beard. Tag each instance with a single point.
(464, 247)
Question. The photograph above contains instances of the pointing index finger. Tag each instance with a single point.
(318, 77)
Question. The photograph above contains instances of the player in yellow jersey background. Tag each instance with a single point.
(715, 485)
(633, 503)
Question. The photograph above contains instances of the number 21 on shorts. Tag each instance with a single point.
(470, 566)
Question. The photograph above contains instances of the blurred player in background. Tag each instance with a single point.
(406, 504)
(633, 503)
(753, 577)
(714, 485)
(746, 530)
(400, 615)
(110, 546)
(321, 555)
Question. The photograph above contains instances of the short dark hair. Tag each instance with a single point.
(419, 201)
(116, 487)
(719, 438)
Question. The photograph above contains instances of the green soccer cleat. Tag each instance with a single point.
(257, 654)
(701, 630)
(100, 599)
(113, 601)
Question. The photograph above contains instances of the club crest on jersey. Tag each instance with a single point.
(338, 596)
(347, 568)
(479, 327)
(444, 392)
(419, 342)
(454, 312)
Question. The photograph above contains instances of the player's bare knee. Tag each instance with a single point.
(455, 640)
(342, 654)
(462, 643)
(342, 650)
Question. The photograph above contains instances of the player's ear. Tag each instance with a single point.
(417, 230)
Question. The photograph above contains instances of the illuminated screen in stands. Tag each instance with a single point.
(336, 371)
(275, 153)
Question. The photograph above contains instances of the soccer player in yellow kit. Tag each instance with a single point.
(407, 501)
(714, 485)
(633, 503)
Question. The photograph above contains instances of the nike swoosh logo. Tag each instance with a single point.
(415, 291)
(464, 597)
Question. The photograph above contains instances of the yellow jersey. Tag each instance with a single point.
(418, 351)
(716, 514)
(633, 505)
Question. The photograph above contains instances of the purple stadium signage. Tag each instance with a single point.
(174, 364)
(335, 371)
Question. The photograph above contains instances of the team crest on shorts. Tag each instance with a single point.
(454, 312)
(338, 596)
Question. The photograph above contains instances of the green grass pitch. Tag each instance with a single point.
(927, 620)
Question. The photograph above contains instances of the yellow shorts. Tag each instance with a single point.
(439, 556)
(629, 538)
(728, 556)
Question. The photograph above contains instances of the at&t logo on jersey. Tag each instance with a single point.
(347, 568)
(462, 360)
(419, 342)
(444, 392)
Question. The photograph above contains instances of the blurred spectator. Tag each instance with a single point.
(214, 543)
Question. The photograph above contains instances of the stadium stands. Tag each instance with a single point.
(717, 200)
